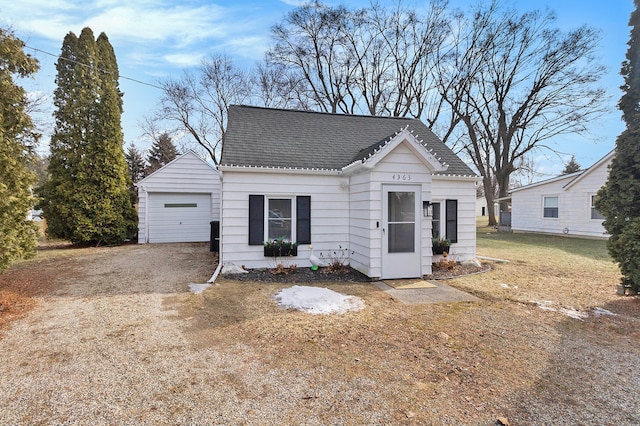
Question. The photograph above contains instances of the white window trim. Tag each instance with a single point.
(543, 207)
(294, 219)
(592, 196)
(441, 231)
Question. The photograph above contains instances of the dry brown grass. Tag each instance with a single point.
(462, 363)
(451, 363)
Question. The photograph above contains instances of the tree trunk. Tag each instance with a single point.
(502, 180)
(489, 190)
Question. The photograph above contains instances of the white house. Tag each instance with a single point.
(383, 187)
(178, 202)
(562, 205)
(481, 206)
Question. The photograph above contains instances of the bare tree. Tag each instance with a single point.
(514, 81)
(378, 60)
(311, 42)
(198, 103)
(275, 86)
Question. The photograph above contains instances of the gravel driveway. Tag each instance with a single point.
(120, 340)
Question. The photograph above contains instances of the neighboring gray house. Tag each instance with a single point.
(562, 205)
(177, 202)
(383, 187)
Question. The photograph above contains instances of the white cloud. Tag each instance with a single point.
(184, 59)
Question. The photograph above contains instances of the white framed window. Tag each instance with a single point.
(279, 219)
(444, 220)
(436, 221)
(273, 217)
(550, 207)
(595, 214)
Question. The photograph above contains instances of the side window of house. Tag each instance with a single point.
(450, 222)
(435, 221)
(284, 219)
(595, 214)
(550, 207)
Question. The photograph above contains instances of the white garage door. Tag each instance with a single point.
(175, 218)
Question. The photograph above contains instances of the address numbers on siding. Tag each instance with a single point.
(401, 177)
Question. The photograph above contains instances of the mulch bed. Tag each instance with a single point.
(306, 275)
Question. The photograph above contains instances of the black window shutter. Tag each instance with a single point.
(256, 220)
(303, 215)
(452, 220)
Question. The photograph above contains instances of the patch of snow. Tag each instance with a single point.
(231, 268)
(198, 288)
(317, 300)
(597, 311)
(547, 305)
(472, 262)
(574, 313)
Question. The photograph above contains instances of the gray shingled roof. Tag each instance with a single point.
(264, 137)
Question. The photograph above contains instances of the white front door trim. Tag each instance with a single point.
(401, 231)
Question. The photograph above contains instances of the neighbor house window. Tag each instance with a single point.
(595, 214)
(277, 217)
(550, 207)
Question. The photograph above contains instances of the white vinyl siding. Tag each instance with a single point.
(329, 213)
(464, 191)
(574, 204)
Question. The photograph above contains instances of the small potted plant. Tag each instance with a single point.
(280, 247)
(440, 245)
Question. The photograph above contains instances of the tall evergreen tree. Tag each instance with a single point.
(162, 152)
(135, 163)
(572, 166)
(619, 199)
(87, 198)
(18, 236)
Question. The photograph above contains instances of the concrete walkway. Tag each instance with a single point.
(442, 293)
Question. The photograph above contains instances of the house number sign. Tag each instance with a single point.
(401, 177)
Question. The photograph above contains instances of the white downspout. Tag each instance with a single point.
(219, 268)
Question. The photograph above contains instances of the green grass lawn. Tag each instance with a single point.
(490, 239)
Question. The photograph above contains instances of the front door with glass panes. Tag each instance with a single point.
(401, 231)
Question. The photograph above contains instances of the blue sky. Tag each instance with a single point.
(156, 39)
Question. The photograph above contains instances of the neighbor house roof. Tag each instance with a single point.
(265, 137)
(572, 178)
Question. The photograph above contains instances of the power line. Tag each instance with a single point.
(89, 66)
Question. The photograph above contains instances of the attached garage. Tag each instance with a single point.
(178, 202)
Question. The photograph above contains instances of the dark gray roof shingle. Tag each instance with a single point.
(264, 137)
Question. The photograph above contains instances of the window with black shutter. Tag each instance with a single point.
(280, 215)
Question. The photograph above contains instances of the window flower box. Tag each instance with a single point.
(440, 246)
(280, 248)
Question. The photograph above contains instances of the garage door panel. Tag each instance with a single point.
(175, 217)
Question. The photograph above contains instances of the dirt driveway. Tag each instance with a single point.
(115, 337)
